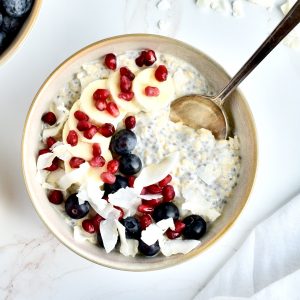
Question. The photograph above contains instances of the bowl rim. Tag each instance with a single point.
(184, 257)
(23, 33)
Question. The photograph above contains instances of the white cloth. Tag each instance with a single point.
(267, 266)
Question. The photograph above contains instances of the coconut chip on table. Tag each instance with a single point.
(236, 8)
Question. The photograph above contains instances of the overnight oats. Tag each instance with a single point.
(121, 174)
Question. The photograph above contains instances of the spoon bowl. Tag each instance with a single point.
(198, 112)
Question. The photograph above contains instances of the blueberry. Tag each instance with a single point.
(121, 182)
(1, 19)
(99, 240)
(124, 141)
(2, 40)
(132, 228)
(148, 250)
(165, 210)
(11, 25)
(130, 164)
(195, 227)
(16, 8)
(74, 209)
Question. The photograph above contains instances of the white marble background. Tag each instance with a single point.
(33, 264)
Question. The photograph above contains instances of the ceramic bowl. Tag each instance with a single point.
(22, 34)
(241, 122)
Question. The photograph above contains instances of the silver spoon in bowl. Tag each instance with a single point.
(198, 111)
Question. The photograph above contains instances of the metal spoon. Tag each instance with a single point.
(207, 112)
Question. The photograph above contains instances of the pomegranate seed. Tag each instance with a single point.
(144, 191)
(54, 166)
(131, 180)
(97, 162)
(165, 181)
(151, 91)
(125, 84)
(84, 125)
(145, 221)
(140, 59)
(153, 202)
(145, 209)
(96, 220)
(122, 212)
(101, 104)
(149, 58)
(101, 94)
(43, 151)
(75, 162)
(72, 138)
(81, 116)
(107, 177)
(172, 234)
(124, 71)
(88, 226)
(111, 61)
(89, 134)
(113, 166)
(126, 96)
(107, 129)
(168, 193)
(161, 73)
(49, 118)
(56, 197)
(113, 109)
(153, 189)
(130, 122)
(96, 150)
(50, 141)
(179, 226)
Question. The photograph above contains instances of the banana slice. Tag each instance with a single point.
(97, 138)
(147, 78)
(94, 173)
(113, 84)
(87, 105)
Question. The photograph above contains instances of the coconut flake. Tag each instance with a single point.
(129, 247)
(90, 191)
(61, 113)
(74, 176)
(163, 5)
(197, 204)
(170, 247)
(45, 160)
(155, 231)
(237, 8)
(166, 224)
(156, 172)
(62, 151)
(209, 173)
(151, 196)
(81, 236)
(109, 234)
(127, 199)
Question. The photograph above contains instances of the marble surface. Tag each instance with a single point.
(34, 265)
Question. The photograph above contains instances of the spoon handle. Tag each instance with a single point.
(284, 27)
